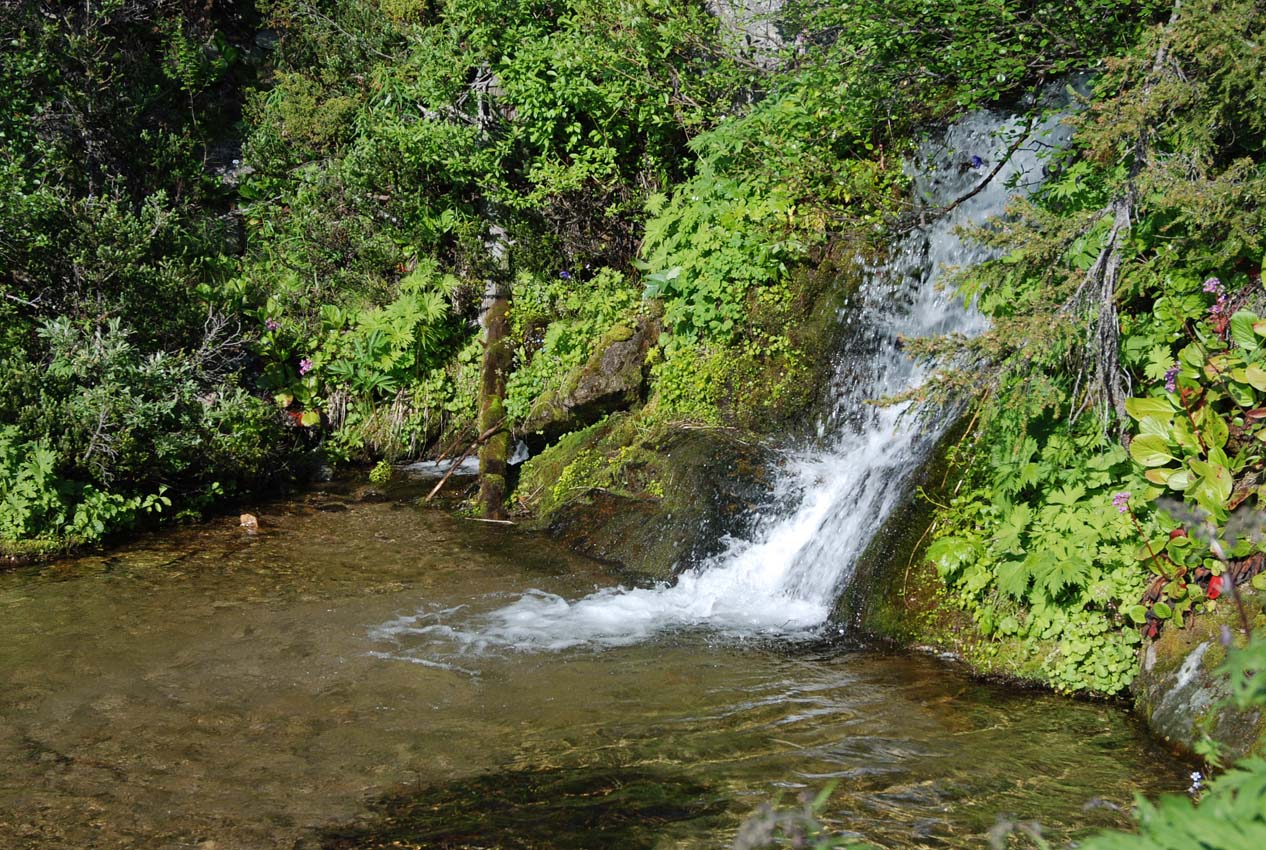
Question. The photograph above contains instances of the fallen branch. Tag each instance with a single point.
(478, 441)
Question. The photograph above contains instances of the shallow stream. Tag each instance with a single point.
(208, 687)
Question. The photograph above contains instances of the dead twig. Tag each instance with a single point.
(478, 441)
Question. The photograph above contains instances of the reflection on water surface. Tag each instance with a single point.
(210, 688)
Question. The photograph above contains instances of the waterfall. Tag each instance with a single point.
(784, 577)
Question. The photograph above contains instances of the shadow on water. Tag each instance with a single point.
(212, 688)
(561, 808)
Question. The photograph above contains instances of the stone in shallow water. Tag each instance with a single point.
(557, 808)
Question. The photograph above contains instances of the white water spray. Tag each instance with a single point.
(783, 580)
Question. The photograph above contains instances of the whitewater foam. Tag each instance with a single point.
(783, 579)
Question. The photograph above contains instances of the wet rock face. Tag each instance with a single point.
(752, 26)
(1178, 690)
(713, 486)
(613, 379)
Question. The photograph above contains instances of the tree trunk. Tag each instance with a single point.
(495, 450)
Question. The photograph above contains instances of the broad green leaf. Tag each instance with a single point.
(1212, 488)
(1163, 611)
(1067, 496)
(1213, 427)
(1185, 437)
(1156, 425)
(310, 418)
(1218, 367)
(1151, 549)
(1192, 356)
(1150, 450)
(1055, 574)
(1241, 392)
(1256, 376)
(1139, 408)
(1137, 613)
(1158, 475)
(1242, 324)
(949, 554)
(1013, 578)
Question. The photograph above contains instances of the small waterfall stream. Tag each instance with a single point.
(784, 578)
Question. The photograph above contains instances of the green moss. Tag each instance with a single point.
(619, 333)
(645, 495)
(495, 410)
(22, 551)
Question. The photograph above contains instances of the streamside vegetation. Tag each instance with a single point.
(243, 239)
(1110, 486)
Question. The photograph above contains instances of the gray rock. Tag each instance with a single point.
(1179, 690)
(613, 379)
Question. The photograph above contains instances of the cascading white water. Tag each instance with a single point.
(784, 578)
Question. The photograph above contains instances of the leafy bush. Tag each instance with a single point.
(39, 504)
(711, 246)
(1037, 553)
(103, 433)
(1105, 285)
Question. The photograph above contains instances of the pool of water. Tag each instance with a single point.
(209, 687)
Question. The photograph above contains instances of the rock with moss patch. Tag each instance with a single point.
(652, 503)
(613, 379)
(1179, 691)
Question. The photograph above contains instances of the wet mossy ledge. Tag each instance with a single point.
(648, 499)
(623, 474)
(897, 597)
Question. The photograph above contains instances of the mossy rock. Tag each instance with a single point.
(648, 501)
(16, 553)
(613, 379)
(1178, 690)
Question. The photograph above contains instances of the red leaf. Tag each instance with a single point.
(1215, 587)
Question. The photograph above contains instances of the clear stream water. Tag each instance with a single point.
(365, 673)
(209, 688)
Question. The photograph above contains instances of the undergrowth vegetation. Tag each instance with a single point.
(122, 391)
(1123, 315)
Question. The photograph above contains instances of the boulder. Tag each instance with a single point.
(653, 506)
(1179, 690)
(613, 379)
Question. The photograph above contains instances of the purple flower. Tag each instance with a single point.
(1171, 378)
(565, 275)
(1121, 501)
(1213, 285)
(305, 366)
(976, 161)
(1225, 635)
(271, 324)
(1219, 306)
